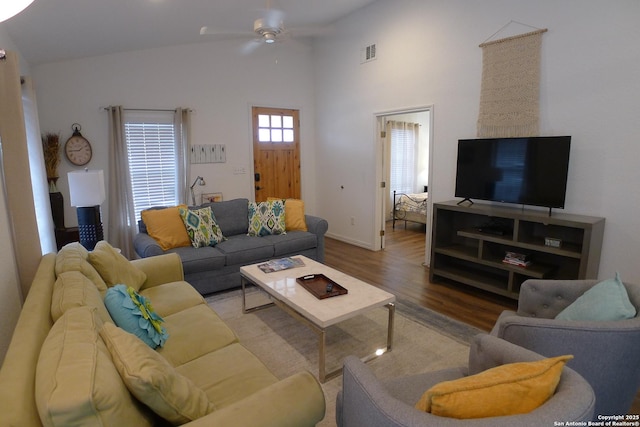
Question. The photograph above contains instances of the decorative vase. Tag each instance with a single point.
(52, 184)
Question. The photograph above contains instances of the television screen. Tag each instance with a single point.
(527, 171)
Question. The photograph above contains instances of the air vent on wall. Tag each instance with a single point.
(368, 53)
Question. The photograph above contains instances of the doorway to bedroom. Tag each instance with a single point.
(405, 144)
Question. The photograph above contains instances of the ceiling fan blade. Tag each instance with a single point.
(250, 46)
(273, 18)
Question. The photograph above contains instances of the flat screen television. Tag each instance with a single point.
(528, 171)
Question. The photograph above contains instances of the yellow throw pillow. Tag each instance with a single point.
(114, 268)
(166, 227)
(515, 388)
(293, 214)
(152, 380)
(74, 289)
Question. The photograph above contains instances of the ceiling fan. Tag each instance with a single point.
(267, 29)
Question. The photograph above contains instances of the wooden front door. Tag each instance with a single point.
(276, 153)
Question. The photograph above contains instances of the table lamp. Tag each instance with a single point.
(86, 190)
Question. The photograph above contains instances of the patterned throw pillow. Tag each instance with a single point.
(135, 314)
(266, 218)
(202, 227)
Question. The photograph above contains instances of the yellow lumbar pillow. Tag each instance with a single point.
(293, 214)
(515, 388)
(166, 227)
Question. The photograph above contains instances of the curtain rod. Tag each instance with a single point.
(147, 109)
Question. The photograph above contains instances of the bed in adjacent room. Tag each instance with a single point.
(410, 207)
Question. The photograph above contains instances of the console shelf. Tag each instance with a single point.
(470, 242)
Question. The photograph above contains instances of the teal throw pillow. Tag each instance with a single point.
(266, 218)
(134, 313)
(608, 300)
(202, 227)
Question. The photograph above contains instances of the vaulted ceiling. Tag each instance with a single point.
(53, 30)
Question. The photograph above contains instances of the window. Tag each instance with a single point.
(153, 159)
(404, 138)
(275, 128)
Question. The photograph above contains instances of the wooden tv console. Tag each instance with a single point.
(469, 244)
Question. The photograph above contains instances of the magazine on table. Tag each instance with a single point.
(280, 264)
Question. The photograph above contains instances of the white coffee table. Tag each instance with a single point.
(316, 313)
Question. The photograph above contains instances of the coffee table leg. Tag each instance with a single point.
(392, 310)
(322, 335)
(245, 310)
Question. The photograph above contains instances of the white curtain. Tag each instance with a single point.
(182, 132)
(38, 172)
(122, 223)
(403, 141)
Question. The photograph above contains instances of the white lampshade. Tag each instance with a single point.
(11, 8)
(86, 188)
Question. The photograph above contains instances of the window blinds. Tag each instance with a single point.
(152, 156)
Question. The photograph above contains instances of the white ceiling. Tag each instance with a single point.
(52, 30)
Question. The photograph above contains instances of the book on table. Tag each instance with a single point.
(280, 264)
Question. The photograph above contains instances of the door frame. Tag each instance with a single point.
(380, 192)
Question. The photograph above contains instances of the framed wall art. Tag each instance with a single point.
(211, 197)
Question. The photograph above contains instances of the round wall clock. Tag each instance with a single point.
(77, 148)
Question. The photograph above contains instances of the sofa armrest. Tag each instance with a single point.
(319, 227)
(160, 269)
(146, 246)
(296, 401)
(316, 225)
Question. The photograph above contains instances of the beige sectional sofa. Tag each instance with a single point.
(61, 369)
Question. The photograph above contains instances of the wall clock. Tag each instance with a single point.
(77, 148)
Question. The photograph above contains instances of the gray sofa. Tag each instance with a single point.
(366, 401)
(213, 269)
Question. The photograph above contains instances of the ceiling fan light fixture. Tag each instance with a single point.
(269, 37)
(12, 8)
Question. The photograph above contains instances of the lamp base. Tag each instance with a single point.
(90, 226)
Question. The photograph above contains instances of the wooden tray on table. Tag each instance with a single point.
(321, 286)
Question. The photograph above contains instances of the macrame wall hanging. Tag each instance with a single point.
(510, 88)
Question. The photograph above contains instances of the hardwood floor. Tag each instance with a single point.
(399, 269)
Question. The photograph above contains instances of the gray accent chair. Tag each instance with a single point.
(365, 401)
(606, 354)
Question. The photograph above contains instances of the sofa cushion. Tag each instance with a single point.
(266, 218)
(607, 300)
(514, 388)
(73, 257)
(166, 227)
(135, 314)
(76, 381)
(114, 268)
(231, 216)
(74, 289)
(294, 218)
(185, 345)
(201, 226)
(152, 380)
(243, 249)
(228, 375)
(201, 259)
(172, 297)
(292, 242)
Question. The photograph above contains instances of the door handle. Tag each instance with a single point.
(256, 177)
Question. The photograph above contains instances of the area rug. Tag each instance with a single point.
(423, 341)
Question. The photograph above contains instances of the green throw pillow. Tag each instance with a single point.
(266, 218)
(608, 300)
(134, 313)
(202, 227)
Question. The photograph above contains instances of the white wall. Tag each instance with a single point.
(428, 54)
(212, 78)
